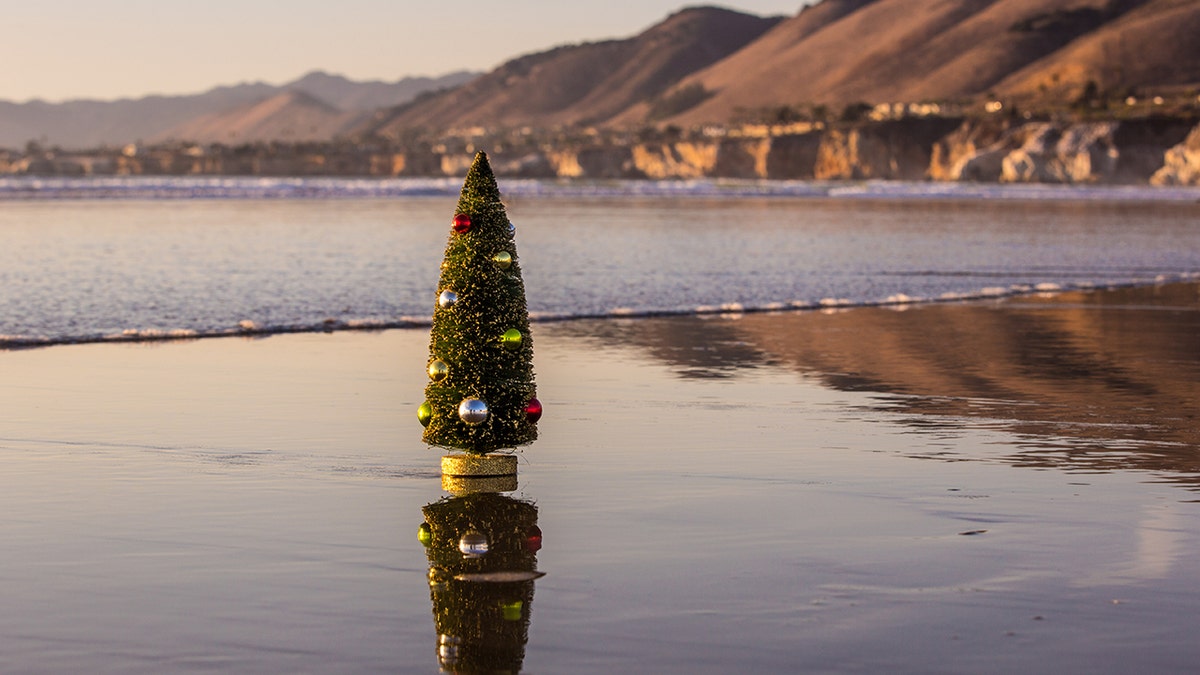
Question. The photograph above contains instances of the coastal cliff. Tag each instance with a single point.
(1149, 150)
(1181, 164)
(1160, 151)
(1124, 152)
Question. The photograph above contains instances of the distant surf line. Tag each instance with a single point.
(34, 188)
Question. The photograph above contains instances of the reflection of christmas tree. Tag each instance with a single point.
(480, 397)
(482, 562)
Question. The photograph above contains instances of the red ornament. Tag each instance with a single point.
(462, 223)
(533, 410)
(533, 539)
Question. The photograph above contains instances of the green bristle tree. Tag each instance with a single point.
(481, 395)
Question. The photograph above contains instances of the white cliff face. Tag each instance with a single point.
(1181, 163)
(973, 152)
(1087, 153)
(1027, 164)
(1078, 153)
(983, 166)
(1063, 152)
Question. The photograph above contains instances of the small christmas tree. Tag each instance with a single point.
(481, 395)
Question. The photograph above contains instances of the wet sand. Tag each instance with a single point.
(982, 487)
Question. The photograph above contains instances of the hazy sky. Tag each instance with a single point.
(69, 49)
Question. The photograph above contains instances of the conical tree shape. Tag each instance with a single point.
(480, 396)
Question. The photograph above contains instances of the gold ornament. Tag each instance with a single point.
(438, 371)
(503, 259)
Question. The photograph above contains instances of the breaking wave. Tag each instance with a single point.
(242, 187)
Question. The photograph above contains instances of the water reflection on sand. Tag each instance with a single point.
(482, 548)
(1098, 381)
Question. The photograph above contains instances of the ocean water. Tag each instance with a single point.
(923, 487)
(120, 259)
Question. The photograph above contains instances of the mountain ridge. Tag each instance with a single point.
(292, 115)
(843, 51)
(701, 66)
(584, 84)
(84, 123)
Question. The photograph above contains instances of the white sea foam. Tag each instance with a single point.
(835, 302)
(237, 187)
(828, 305)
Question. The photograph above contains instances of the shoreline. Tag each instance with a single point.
(247, 329)
(28, 188)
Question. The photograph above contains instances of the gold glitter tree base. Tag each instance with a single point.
(476, 466)
(466, 485)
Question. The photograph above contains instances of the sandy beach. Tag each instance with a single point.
(979, 487)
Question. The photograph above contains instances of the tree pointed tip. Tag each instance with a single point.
(479, 186)
(481, 162)
(481, 170)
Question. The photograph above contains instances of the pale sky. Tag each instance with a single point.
(59, 50)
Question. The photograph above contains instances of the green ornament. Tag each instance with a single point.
(511, 611)
(425, 413)
(438, 370)
(425, 534)
(511, 339)
(503, 259)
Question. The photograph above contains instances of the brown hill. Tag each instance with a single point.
(842, 51)
(82, 124)
(288, 116)
(583, 84)
(1151, 46)
(88, 123)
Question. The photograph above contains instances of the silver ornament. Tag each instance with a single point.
(447, 298)
(512, 229)
(448, 650)
(473, 544)
(473, 411)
